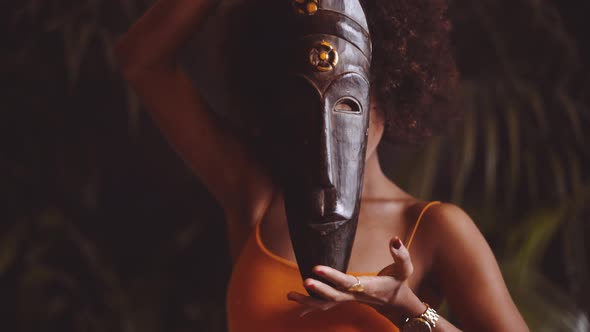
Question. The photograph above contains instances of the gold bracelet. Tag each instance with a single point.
(423, 323)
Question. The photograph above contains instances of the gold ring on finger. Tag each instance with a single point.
(357, 287)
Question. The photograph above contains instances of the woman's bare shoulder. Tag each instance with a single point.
(449, 220)
(442, 228)
(439, 216)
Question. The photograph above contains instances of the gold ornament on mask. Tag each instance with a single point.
(306, 7)
(323, 57)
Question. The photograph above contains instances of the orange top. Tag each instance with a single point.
(257, 297)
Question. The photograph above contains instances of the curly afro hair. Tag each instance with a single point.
(413, 73)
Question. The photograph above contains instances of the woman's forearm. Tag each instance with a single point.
(156, 37)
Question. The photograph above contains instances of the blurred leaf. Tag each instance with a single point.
(429, 169)
(491, 157)
(75, 44)
(38, 276)
(532, 178)
(574, 172)
(108, 46)
(10, 243)
(423, 172)
(133, 113)
(558, 175)
(534, 100)
(545, 307)
(514, 147)
(51, 218)
(468, 140)
(576, 251)
(500, 48)
(529, 240)
(572, 115)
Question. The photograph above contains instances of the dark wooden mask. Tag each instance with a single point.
(323, 119)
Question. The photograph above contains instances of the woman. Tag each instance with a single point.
(442, 254)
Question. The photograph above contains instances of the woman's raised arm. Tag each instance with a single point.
(147, 54)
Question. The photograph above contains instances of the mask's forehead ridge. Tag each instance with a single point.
(353, 9)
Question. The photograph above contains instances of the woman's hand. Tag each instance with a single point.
(388, 292)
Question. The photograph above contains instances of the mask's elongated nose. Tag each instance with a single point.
(324, 203)
(326, 195)
(326, 150)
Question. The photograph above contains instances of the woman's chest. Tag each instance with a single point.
(370, 252)
(257, 299)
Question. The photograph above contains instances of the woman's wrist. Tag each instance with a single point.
(407, 304)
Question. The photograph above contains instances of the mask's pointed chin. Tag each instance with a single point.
(328, 244)
(320, 240)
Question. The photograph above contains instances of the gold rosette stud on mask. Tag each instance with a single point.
(323, 57)
(306, 7)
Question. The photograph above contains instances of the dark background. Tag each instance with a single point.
(104, 229)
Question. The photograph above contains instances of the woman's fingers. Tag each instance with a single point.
(376, 290)
(311, 303)
(327, 292)
(373, 290)
(340, 280)
(402, 267)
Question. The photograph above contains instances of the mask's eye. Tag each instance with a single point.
(347, 105)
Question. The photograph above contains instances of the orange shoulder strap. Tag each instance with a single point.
(411, 237)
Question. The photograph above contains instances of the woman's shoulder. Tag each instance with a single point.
(437, 214)
(437, 223)
(448, 217)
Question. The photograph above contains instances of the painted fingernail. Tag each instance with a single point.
(396, 243)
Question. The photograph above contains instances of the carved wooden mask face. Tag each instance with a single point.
(323, 117)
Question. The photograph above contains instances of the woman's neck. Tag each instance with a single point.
(376, 185)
